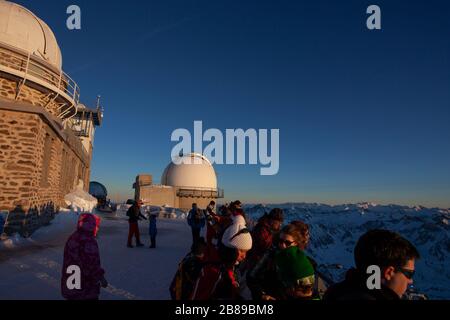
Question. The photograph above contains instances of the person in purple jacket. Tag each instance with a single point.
(82, 274)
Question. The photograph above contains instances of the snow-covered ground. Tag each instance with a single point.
(335, 230)
(31, 268)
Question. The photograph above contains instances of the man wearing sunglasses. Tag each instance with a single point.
(393, 254)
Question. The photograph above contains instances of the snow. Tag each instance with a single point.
(336, 229)
(79, 200)
(31, 268)
(62, 223)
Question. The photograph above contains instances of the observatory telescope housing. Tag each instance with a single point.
(46, 135)
(192, 181)
(97, 190)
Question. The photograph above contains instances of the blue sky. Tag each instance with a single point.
(363, 115)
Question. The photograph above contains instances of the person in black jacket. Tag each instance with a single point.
(189, 269)
(395, 257)
(134, 215)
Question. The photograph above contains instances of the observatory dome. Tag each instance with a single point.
(21, 29)
(193, 175)
(97, 190)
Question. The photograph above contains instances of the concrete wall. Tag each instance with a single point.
(158, 195)
(185, 203)
(164, 195)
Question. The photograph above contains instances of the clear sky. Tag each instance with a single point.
(363, 115)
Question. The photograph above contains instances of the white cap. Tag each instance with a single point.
(235, 237)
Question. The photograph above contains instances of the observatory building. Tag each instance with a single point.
(181, 185)
(46, 135)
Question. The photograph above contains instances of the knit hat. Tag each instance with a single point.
(294, 267)
(237, 235)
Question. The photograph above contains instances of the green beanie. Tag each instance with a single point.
(294, 267)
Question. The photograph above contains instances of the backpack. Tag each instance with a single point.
(187, 273)
(175, 288)
(199, 214)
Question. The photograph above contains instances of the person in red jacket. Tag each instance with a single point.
(219, 280)
(263, 233)
(134, 215)
(82, 260)
(212, 223)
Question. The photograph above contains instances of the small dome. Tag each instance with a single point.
(21, 29)
(193, 175)
(97, 190)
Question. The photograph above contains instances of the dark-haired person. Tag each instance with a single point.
(236, 209)
(269, 280)
(393, 254)
(134, 215)
(152, 229)
(212, 223)
(218, 281)
(188, 271)
(196, 220)
(262, 234)
(224, 221)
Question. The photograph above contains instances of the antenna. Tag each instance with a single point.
(98, 102)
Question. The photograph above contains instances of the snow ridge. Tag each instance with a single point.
(335, 230)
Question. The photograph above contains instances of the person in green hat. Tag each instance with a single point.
(295, 273)
(277, 274)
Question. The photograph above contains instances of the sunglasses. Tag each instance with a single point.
(407, 273)
(287, 243)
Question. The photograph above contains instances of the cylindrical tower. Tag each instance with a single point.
(42, 156)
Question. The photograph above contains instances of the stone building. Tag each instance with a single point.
(46, 135)
(181, 185)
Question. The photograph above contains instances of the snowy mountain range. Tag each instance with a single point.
(335, 230)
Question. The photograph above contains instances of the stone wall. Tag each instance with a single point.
(38, 164)
(29, 91)
(8, 90)
(40, 161)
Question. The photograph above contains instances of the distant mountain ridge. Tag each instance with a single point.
(336, 228)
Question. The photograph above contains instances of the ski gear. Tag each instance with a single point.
(81, 250)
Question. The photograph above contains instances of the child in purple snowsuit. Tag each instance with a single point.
(81, 250)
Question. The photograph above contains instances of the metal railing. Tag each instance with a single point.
(81, 124)
(28, 68)
(200, 192)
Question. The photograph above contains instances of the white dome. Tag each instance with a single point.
(21, 29)
(193, 175)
